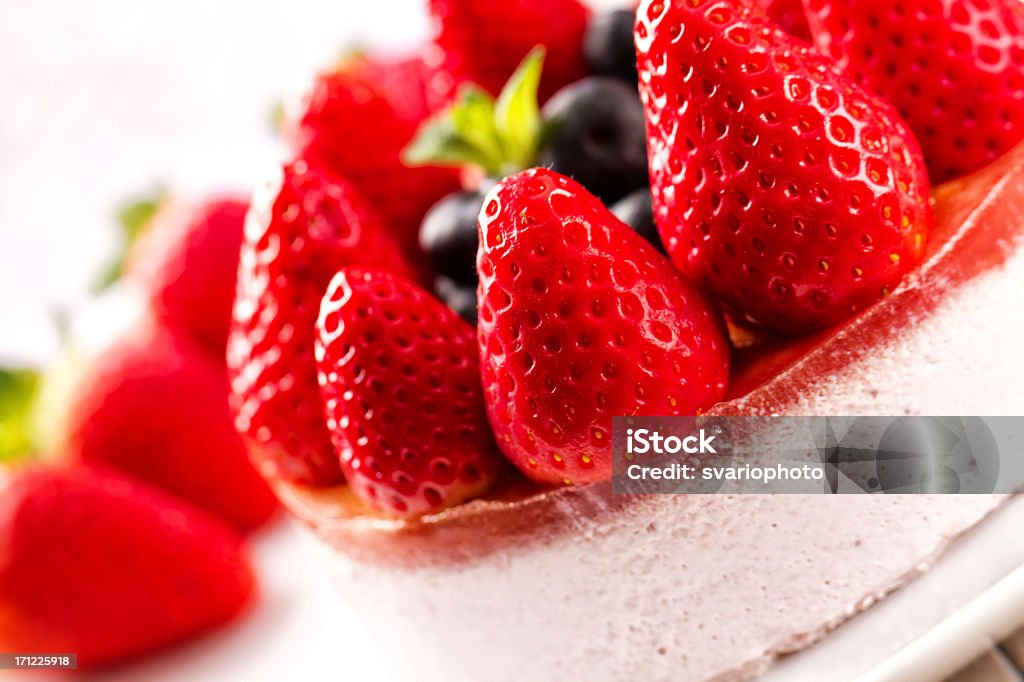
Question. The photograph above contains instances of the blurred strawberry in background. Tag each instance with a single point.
(154, 405)
(187, 258)
(95, 563)
(356, 123)
(131, 542)
(483, 42)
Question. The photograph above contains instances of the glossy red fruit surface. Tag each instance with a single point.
(103, 566)
(154, 405)
(356, 124)
(779, 184)
(401, 384)
(953, 68)
(188, 261)
(978, 228)
(484, 42)
(301, 231)
(788, 14)
(582, 320)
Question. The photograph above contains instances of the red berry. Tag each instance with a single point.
(301, 231)
(401, 383)
(356, 124)
(788, 14)
(155, 406)
(953, 68)
(778, 183)
(582, 320)
(109, 568)
(484, 42)
(402, 81)
(188, 260)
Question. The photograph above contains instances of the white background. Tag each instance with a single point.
(106, 99)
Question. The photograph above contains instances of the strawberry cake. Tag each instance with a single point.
(555, 584)
(764, 228)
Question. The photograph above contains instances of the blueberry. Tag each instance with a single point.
(608, 45)
(448, 234)
(594, 132)
(637, 212)
(459, 297)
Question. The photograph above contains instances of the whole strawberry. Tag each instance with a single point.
(154, 405)
(101, 565)
(779, 184)
(301, 231)
(401, 386)
(484, 42)
(356, 124)
(582, 320)
(187, 259)
(953, 68)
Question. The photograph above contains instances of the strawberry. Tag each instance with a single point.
(401, 385)
(154, 405)
(187, 258)
(98, 564)
(953, 68)
(484, 42)
(779, 184)
(582, 320)
(301, 231)
(788, 14)
(355, 123)
(401, 80)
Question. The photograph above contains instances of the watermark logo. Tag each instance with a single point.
(824, 455)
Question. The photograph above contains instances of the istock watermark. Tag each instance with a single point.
(643, 441)
(822, 455)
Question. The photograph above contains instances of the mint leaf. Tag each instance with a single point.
(517, 114)
(18, 392)
(133, 218)
(499, 136)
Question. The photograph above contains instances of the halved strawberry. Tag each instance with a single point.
(300, 231)
(953, 68)
(401, 386)
(582, 320)
(779, 184)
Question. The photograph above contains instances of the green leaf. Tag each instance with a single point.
(473, 119)
(462, 135)
(133, 218)
(439, 143)
(18, 392)
(499, 136)
(517, 114)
